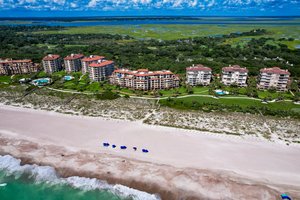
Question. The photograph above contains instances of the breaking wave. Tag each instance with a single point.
(12, 167)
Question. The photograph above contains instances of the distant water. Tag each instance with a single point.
(140, 21)
(32, 182)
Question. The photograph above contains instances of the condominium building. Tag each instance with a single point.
(100, 71)
(198, 75)
(10, 67)
(73, 62)
(52, 63)
(273, 78)
(143, 79)
(85, 62)
(234, 75)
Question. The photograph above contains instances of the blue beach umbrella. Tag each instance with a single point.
(123, 147)
(134, 148)
(285, 196)
(113, 146)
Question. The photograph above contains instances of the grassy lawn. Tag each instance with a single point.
(93, 87)
(266, 94)
(186, 103)
(200, 90)
(5, 79)
(171, 92)
(59, 74)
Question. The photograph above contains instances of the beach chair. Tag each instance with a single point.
(285, 197)
(145, 151)
(105, 144)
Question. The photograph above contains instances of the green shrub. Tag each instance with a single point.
(107, 95)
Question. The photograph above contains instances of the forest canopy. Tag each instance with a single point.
(20, 42)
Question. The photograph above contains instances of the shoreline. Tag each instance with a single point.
(178, 175)
(204, 179)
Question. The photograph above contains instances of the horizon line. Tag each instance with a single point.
(157, 16)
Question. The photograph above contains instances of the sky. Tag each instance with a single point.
(70, 8)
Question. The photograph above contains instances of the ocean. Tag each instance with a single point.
(33, 182)
(106, 21)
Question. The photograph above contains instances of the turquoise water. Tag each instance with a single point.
(41, 81)
(101, 21)
(25, 188)
(68, 78)
(32, 182)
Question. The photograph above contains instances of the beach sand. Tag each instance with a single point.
(181, 164)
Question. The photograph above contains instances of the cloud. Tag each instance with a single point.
(27, 1)
(73, 5)
(193, 3)
(116, 5)
(60, 2)
(211, 3)
(92, 3)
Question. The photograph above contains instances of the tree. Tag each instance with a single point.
(294, 86)
(189, 89)
(272, 90)
(252, 92)
(280, 97)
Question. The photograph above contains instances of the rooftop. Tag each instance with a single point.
(92, 58)
(102, 64)
(198, 67)
(143, 72)
(235, 68)
(51, 57)
(275, 70)
(15, 61)
(73, 56)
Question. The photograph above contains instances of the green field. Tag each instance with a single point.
(241, 102)
(172, 32)
(5, 79)
(227, 104)
(169, 32)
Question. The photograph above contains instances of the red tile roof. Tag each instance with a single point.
(92, 58)
(73, 56)
(198, 68)
(163, 72)
(102, 64)
(124, 71)
(143, 72)
(51, 57)
(235, 68)
(16, 61)
(275, 70)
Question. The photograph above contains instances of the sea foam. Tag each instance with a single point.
(12, 167)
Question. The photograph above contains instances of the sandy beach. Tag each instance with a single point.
(203, 165)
